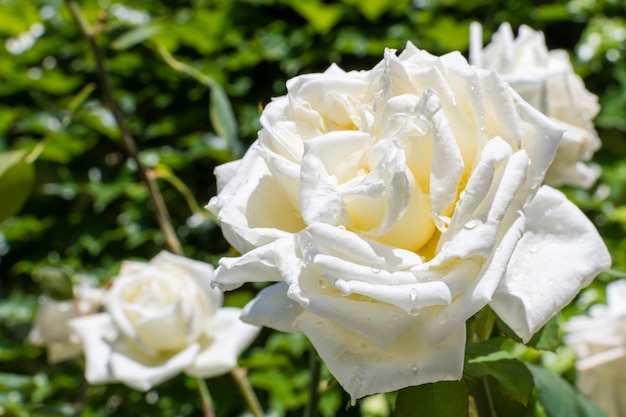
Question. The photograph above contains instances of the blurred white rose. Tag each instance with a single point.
(52, 329)
(391, 205)
(599, 341)
(546, 80)
(162, 318)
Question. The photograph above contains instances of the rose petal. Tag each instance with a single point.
(258, 265)
(94, 332)
(254, 186)
(364, 368)
(201, 272)
(272, 308)
(231, 337)
(143, 374)
(559, 253)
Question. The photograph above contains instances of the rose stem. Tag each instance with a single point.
(239, 375)
(156, 199)
(314, 371)
(207, 402)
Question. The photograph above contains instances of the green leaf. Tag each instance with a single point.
(323, 17)
(223, 117)
(11, 158)
(481, 325)
(16, 182)
(15, 382)
(558, 397)
(547, 338)
(510, 374)
(439, 399)
(134, 37)
(55, 281)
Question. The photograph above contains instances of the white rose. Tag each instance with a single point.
(546, 80)
(599, 341)
(51, 328)
(162, 318)
(391, 205)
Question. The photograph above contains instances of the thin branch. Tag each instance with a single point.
(156, 199)
(207, 402)
(239, 375)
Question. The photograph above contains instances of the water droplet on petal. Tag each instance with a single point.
(308, 252)
(375, 268)
(323, 284)
(341, 227)
(397, 316)
(471, 224)
(414, 369)
(534, 249)
(415, 312)
(413, 294)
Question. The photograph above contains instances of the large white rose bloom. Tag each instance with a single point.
(52, 325)
(162, 318)
(391, 205)
(546, 80)
(599, 341)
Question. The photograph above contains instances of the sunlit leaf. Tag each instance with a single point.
(134, 37)
(16, 182)
(223, 117)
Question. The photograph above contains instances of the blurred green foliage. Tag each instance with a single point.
(191, 78)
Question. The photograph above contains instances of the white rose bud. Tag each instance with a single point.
(52, 328)
(162, 318)
(546, 80)
(391, 205)
(599, 341)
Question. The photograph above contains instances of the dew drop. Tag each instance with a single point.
(471, 224)
(534, 249)
(397, 316)
(323, 284)
(413, 294)
(375, 268)
(415, 312)
(308, 253)
(341, 227)
(414, 369)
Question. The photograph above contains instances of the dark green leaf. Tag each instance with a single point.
(547, 338)
(510, 374)
(558, 397)
(439, 399)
